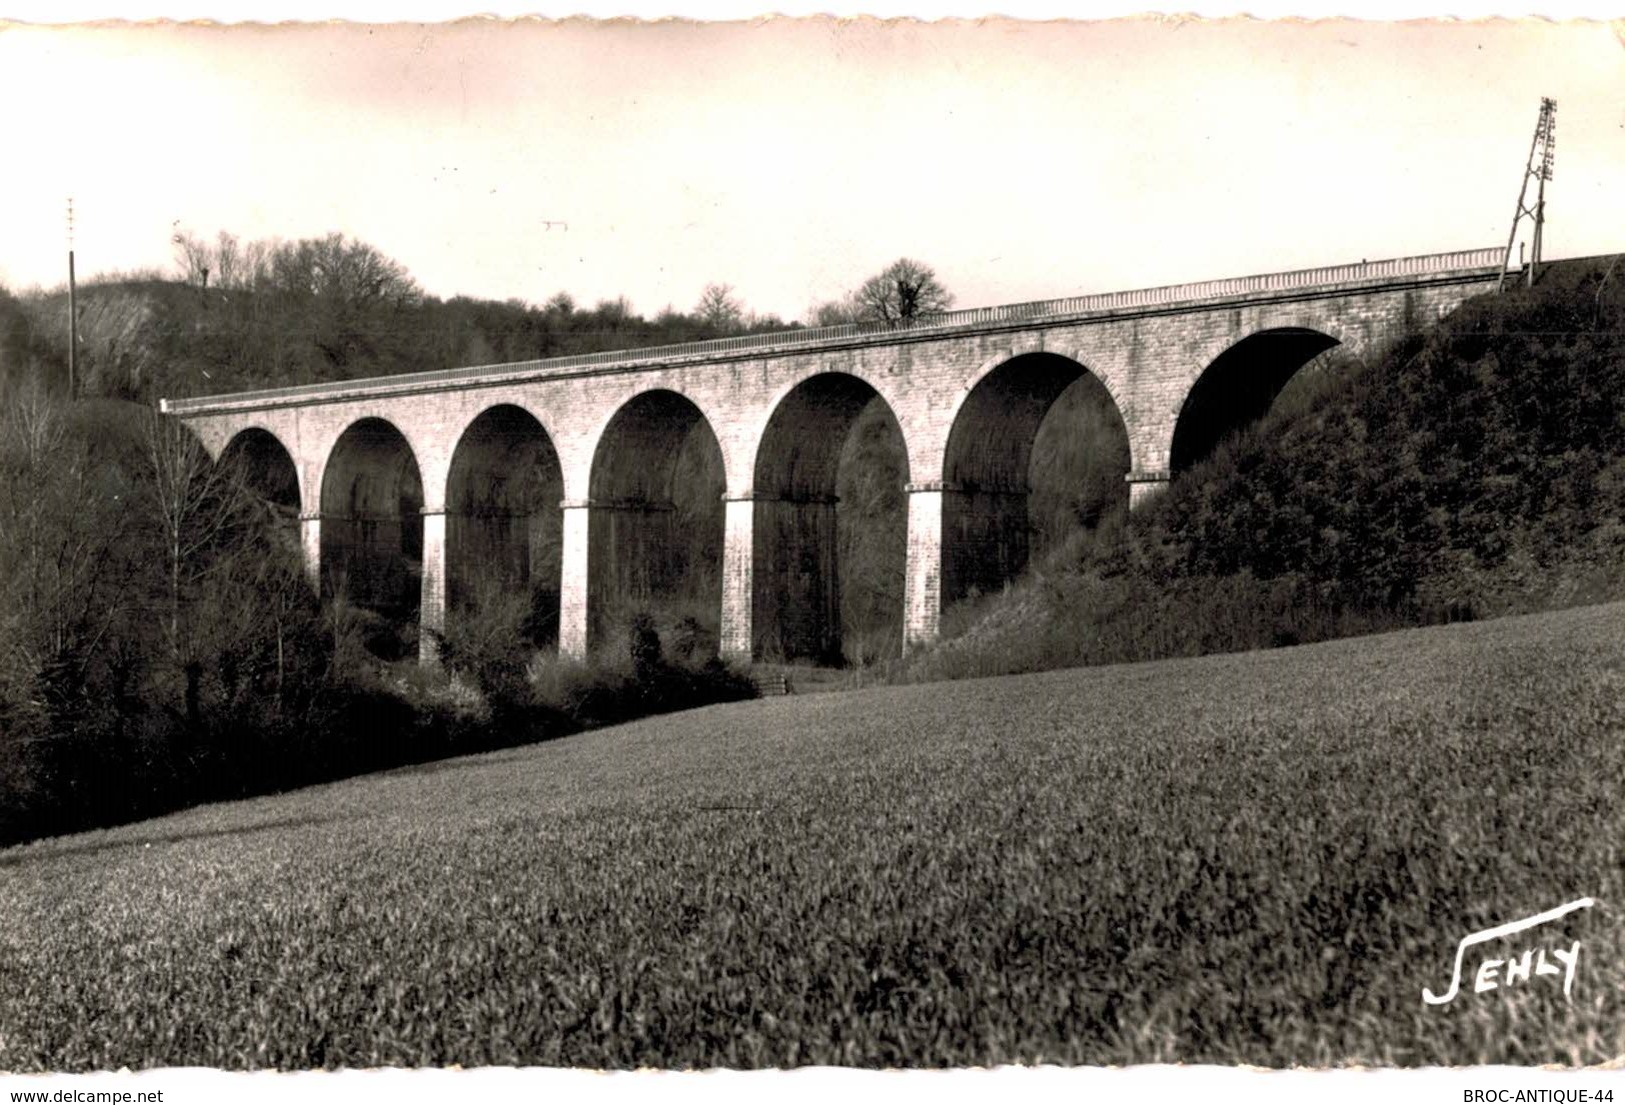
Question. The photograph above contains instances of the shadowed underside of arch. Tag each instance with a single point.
(990, 472)
(823, 566)
(372, 521)
(1239, 387)
(265, 466)
(503, 522)
(655, 529)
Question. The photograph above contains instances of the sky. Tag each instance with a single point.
(792, 158)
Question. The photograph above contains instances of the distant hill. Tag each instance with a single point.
(146, 338)
(1477, 470)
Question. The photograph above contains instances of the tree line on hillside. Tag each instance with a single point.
(251, 314)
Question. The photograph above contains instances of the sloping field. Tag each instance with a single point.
(1258, 858)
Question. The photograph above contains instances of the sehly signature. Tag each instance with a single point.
(1518, 969)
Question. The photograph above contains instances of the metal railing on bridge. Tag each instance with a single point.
(790, 340)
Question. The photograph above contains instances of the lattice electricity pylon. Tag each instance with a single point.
(1539, 168)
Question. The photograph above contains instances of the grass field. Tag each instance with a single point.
(1257, 858)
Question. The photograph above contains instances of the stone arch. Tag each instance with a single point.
(809, 552)
(1238, 387)
(884, 387)
(988, 468)
(372, 521)
(581, 452)
(504, 528)
(265, 465)
(655, 523)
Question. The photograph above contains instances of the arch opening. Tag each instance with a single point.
(1240, 387)
(504, 528)
(372, 521)
(257, 461)
(655, 528)
(1037, 452)
(261, 463)
(830, 525)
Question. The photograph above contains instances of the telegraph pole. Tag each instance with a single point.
(1541, 149)
(1548, 109)
(73, 315)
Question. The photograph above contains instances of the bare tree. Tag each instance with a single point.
(834, 312)
(258, 596)
(192, 255)
(342, 271)
(720, 309)
(254, 262)
(355, 272)
(195, 502)
(228, 261)
(59, 524)
(905, 290)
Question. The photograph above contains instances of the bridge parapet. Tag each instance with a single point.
(1217, 292)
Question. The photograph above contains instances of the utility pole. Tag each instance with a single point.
(73, 316)
(1539, 167)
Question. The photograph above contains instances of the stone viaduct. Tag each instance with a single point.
(563, 470)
